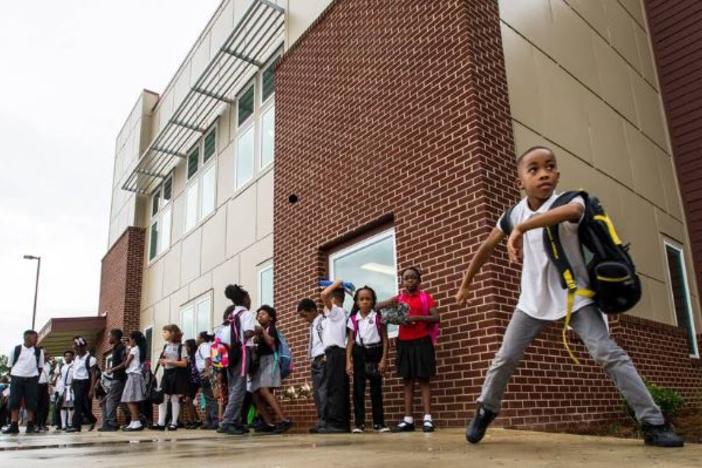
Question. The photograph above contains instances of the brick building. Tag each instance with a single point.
(387, 140)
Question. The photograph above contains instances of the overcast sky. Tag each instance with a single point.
(70, 71)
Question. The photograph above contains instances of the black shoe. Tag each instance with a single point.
(264, 429)
(283, 426)
(173, 427)
(13, 428)
(156, 427)
(108, 429)
(92, 426)
(133, 429)
(236, 430)
(332, 430)
(428, 426)
(71, 430)
(404, 426)
(477, 427)
(31, 429)
(661, 436)
(208, 427)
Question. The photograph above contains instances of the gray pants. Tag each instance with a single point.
(319, 389)
(590, 327)
(112, 401)
(210, 402)
(237, 392)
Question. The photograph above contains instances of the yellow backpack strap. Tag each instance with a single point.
(573, 291)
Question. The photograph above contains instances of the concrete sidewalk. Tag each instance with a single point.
(444, 448)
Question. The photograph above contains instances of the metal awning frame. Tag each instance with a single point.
(243, 53)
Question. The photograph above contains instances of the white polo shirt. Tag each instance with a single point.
(26, 365)
(316, 331)
(334, 327)
(44, 374)
(135, 365)
(368, 333)
(202, 355)
(79, 370)
(542, 295)
(65, 378)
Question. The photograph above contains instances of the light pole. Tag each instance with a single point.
(36, 287)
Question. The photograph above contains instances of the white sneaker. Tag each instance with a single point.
(357, 430)
(381, 429)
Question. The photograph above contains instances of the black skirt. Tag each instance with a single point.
(415, 359)
(176, 381)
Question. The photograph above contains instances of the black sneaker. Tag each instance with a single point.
(156, 427)
(264, 428)
(13, 428)
(108, 429)
(477, 427)
(661, 436)
(31, 429)
(72, 430)
(332, 430)
(428, 425)
(404, 426)
(283, 426)
(236, 430)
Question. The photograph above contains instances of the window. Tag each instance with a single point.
(268, 136)
(200, 193)
(245, 157)
(160, 230)
(245, 105)
(268, 80)
(149, 335)
(265, 285)
(195, 316)
(369, 262)
(681, 294)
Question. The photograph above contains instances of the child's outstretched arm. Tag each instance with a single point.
(386, 303)
(571, 212)
(327, 293)
(479, 259)
(349, 352)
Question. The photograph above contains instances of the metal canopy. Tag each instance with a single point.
(244, 52)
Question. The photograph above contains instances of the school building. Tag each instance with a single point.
(306, 139)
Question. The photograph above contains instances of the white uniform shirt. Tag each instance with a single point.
(542, 295)
(334, 327)
(247, 321)
(44, 374)
(65, 378)
(316, 330)
(26, 365)
(135, 364)
(79, 370)
(368, 333)
(202, 355)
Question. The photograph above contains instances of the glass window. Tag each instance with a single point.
(681, 295)
(191, 206)
(209, 146)
(195, 316)
(268, 137)
(155, 201)
(246, 105)
(265, 286)
(369, 262)
(165, 230)
(187, 324)
(149, 334)
(168, 189)
(245, 157)
(153, 241)
(268, 81)
(193, 160)
(202, 321)
(208, 191)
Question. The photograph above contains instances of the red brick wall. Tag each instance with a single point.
(676, 30)
(120, 288)
(397, 112)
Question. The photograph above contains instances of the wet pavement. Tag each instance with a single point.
(500, 448)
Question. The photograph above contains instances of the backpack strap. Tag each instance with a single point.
(37, 355)
(354, 322)
(15, 357)
(556, 254)
(506, 221)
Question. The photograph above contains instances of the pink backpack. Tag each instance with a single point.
(433, 328)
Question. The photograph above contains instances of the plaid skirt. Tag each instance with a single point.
(135, 389)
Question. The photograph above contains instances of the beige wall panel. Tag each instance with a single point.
(223, 275)
(300, 15)
(165, 110)
(180, 297)
(621, 28)
(648, 110)
(639, 227)
(190, 255)
(661, 305)
(670, 227)
(250, 259)
(223, 131)
(200, 286)
(524, 138)
(225, 174)
(223, 26)
(644, 166)
(241, 228)
(644, 308)
(572, 45)
(146, 318)
(162, 317)
(152, 287)
(181, 86)
(532, 18)
(607, 139)
(524, 93)
(648, 69)
(214, 240)
(200, 59)
(178, 218)
(171, 269)
(594, 13)
(614, 76)
(264, 210)
(636, 9)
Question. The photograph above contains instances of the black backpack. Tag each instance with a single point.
(614, 284)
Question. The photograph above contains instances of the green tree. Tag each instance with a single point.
(4, 368)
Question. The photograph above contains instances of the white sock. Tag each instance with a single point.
(409, 419)
(175, 409)
(135, 424)
(427, 417)
(69, 418)
(64, 418)
(162, 408)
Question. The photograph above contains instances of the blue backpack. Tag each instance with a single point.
(283, 356)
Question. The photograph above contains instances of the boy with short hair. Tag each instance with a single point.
(542, 300)
(26, 362)
(307, 309)
(118, 376)
(337, 411)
